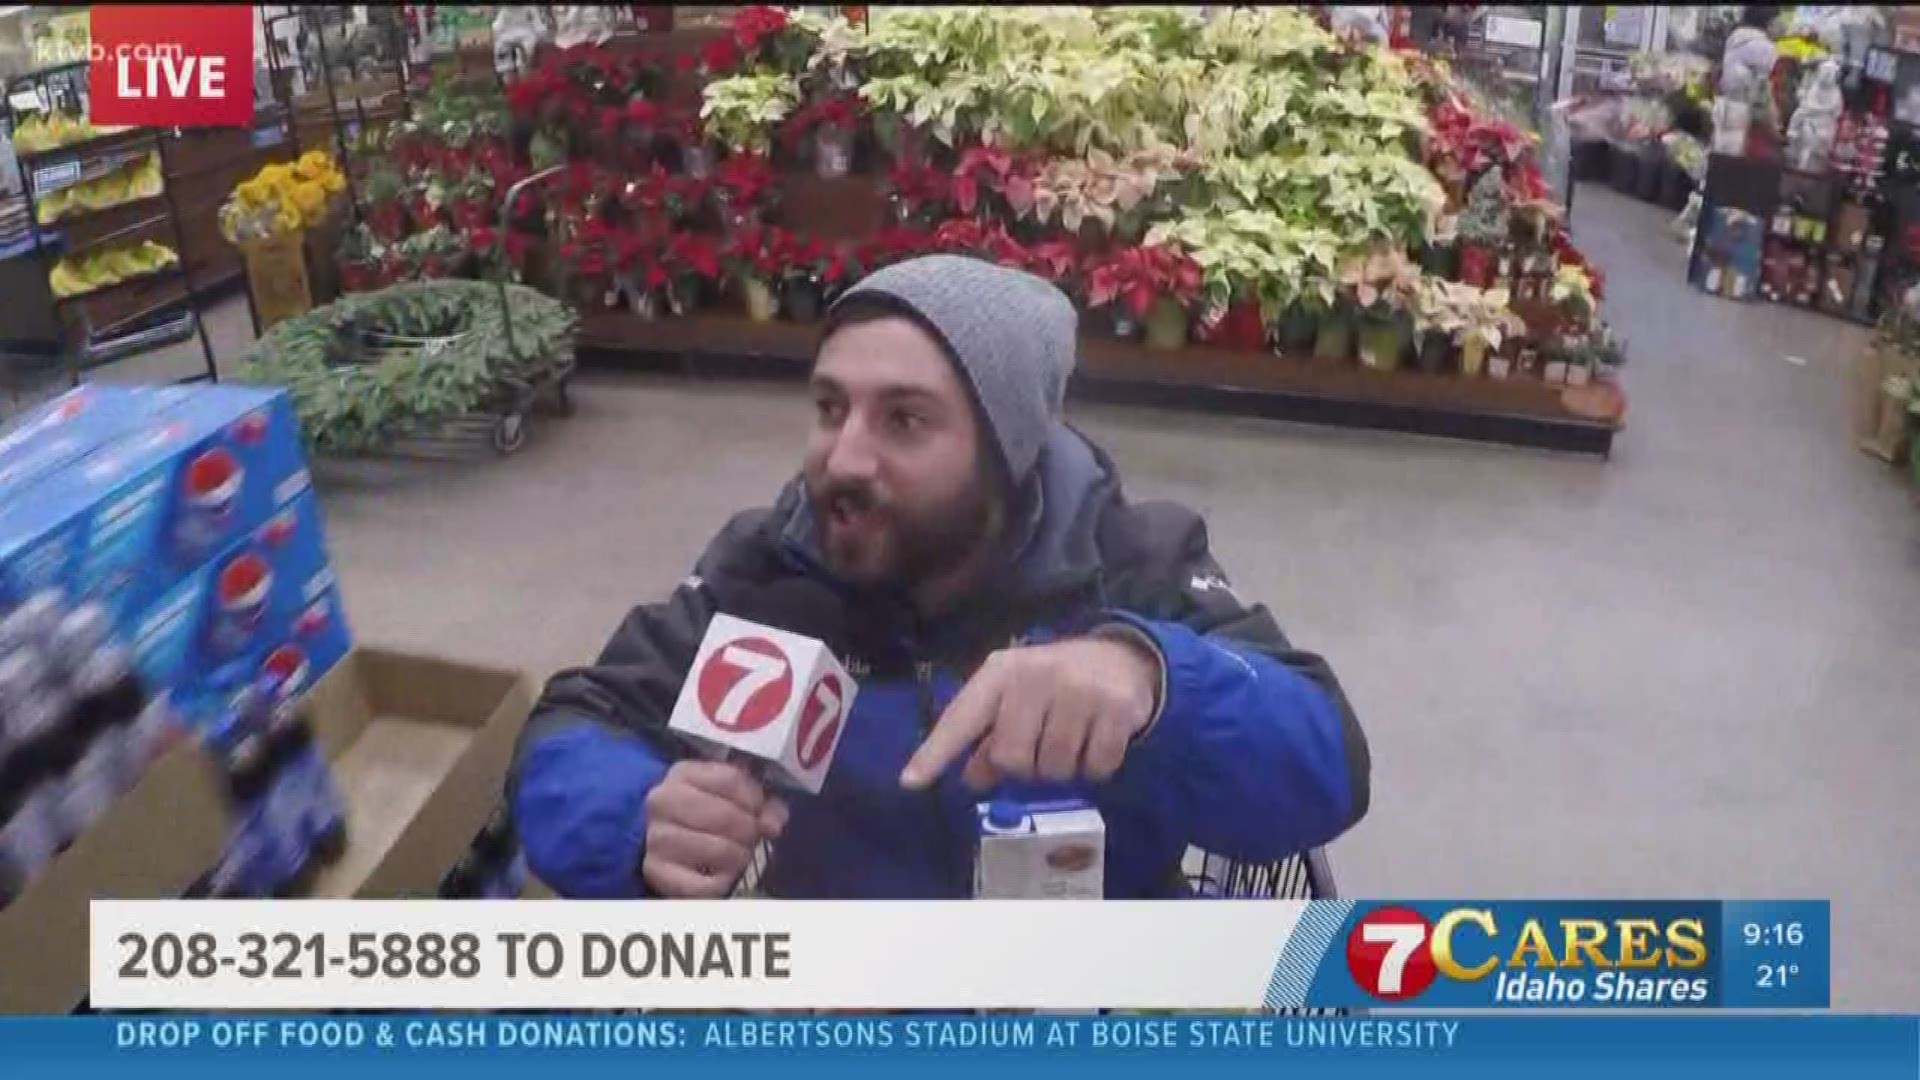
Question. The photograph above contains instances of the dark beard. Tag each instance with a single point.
(924, 546)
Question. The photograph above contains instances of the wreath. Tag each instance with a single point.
(374, 367)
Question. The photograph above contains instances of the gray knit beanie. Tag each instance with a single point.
(1010, 333)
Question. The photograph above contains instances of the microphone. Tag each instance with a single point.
(765, 691)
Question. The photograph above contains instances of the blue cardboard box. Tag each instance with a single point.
(268, 603)
(50, 436)
(183, 474)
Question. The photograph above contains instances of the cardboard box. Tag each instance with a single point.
(419, 749)
(167, 480)
(57, 433)
(154, 843)
(270, 601)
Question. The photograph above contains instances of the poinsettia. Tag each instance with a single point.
(1136, 276)
(745, 177)
(836, 111)
(693, 253)
(894, 243)
(989, 168)
(752, 26)
(719, 56)
(1055, 260)
(989, 241)
(919, 186)
(764, 252)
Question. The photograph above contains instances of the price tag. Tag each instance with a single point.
(54, 177)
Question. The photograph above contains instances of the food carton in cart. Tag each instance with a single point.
(185, 476)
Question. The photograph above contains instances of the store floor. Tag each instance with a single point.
(1688, 671)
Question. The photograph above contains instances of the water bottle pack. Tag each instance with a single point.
(288, 816)
(165, 539)
(77, 728)
(494, 867)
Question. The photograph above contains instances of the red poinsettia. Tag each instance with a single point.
(1138, 275)
(837, 266)
(988, 168)
(764, 252)
(753, 25)
(838, 111)
(719, 56)
(745, 177)
(919, 186)
(969, 236)
(1057, 261)
(894, 243)
(694, 253)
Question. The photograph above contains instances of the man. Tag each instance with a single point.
(1019, 630)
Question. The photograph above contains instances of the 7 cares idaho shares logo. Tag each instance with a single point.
(1477, 954)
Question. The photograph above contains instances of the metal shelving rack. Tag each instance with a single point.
(44, 171)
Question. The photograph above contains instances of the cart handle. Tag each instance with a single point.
(500, 248)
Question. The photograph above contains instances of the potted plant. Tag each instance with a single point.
(1440, 255)
(742, 185)
(918, 193)
(692, 264)
(1384, 286)
(1154, 284)
(741, 111)
(1332, 309)
(758, 258)
(1572, 295)
(984, 171)
(1438, 314)
(1485, 324)
(1483, 228)
(587, 268)
(827, 125)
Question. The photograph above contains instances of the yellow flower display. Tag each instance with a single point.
(282, 198)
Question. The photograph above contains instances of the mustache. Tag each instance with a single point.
(856, 496)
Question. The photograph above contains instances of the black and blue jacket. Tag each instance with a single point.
(1255, 755)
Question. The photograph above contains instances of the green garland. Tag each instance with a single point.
(373, 367)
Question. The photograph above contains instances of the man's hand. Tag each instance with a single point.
(703, 821)
(1064, 711)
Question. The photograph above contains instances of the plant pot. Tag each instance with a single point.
(1382, 342)
(1434, 347)
(1296, 331)
(802, 300)
(1125, 326)
(832, 152)
(1239, 327)
(1579, 374)
(1590, 160)
(762, 304)
(1555, 371)
(589, 291)
(683, 294)
(1675, 187)
(1166, 325)
(1333, 338)
(1623, 168)
(644, 302)
(697, 160)
(1473, 355)
(1500, 366)
(1441, 260)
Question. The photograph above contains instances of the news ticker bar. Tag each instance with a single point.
(1110, 1047)
(1012, 954)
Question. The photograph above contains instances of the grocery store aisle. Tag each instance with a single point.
(1689, 671)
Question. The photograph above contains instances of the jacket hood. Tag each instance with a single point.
(1056, 528)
